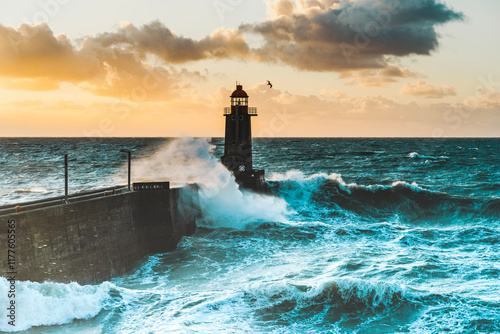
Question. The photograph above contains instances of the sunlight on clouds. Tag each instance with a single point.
(379, 78)
(28, 84)
(422, 88)
(116, 82)
(320, 35)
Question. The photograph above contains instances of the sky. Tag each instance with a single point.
(161, 68)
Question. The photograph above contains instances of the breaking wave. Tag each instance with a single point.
(407, 200)
(330, 303)
(223, 203)
(362, 294)
(416, 155)
(51, 303)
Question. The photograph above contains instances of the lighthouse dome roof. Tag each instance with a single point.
(239, 92)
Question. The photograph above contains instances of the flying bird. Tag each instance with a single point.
(269, 84)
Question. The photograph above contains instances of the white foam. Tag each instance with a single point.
(41, 190)
(416, 155)
(394, 185)
(311, 182)
(447, 318)
(413, 155)
(51, 303)
(308, 184)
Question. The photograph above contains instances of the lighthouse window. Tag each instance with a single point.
(233, 118)
(239, 101)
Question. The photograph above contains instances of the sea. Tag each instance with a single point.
(358, 235)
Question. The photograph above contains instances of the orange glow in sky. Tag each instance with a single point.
(359, 68)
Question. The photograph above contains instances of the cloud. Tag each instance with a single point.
(338, 35)
(33, 52)
(483, 99)
(29, 84)
(156, 39)
(329, 93)
(111, 64)
(422, 88)
(378, 77)
(141, 63)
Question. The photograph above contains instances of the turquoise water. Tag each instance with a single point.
(359, 236)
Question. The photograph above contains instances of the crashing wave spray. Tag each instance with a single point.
(53, 303)
(223, 203)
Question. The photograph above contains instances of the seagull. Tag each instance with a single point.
(269, 84)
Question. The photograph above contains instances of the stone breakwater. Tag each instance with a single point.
(97, 235)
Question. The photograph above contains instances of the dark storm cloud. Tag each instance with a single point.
(341, 35)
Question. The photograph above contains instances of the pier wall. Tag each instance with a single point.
(90, 241)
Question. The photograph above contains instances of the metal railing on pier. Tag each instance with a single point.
(51, 201)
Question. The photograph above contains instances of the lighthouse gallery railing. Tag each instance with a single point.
(251, 111)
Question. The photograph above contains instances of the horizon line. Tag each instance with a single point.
(284, 137)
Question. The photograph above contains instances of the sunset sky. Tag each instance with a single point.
(161, 68)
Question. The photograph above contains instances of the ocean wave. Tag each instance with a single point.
(351, 304)
(408, 200)
(296, 185)
(416, 155)
(363, 294)
(30, 190)
(312, 182)
(49, 303)
(331, 302)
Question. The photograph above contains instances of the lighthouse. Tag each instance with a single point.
(238, 142)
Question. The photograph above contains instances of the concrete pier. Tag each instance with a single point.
(97, 235)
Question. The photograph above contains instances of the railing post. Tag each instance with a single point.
(65, 178)
(129, 166)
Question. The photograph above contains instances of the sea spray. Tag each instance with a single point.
(223, 202)
(51, 303)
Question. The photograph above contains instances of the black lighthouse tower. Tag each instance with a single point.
(238, 142)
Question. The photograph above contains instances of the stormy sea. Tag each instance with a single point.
(359, 236)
